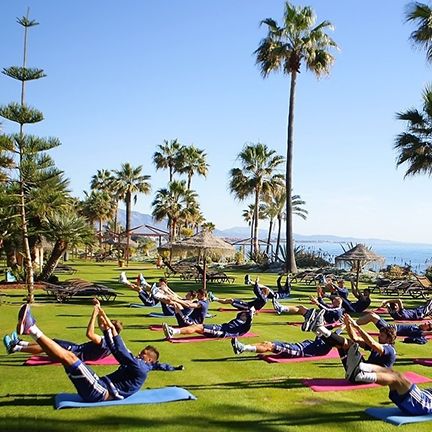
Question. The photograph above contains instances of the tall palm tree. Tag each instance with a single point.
(421, 14)
(286, 48)
(257, 175)
(192, 161)
(128, 182)
(168, 156)
(415, 144)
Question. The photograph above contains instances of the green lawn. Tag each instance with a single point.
(234, 392)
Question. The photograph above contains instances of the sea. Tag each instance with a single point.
(418, 256)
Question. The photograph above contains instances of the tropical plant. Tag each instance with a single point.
(421, 14)
(285, 48)
(168, 156)
(257, 176)
(192, 161)
(31, 163)
(128, 182)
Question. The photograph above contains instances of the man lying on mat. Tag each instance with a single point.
(359, 370)
(122, 383)
(262, 294)
(413, 333)
(238, 326)
(397, 311)
(195, 313)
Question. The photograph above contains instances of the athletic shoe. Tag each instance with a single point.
(353, 361)
(318, 321)
(277, 306)
(236, 346)
(25, 320)
(211, 296)
(7, 342)
(309, 317)
(15, 339)
(123, 278)
(428, 309)
(168, 331)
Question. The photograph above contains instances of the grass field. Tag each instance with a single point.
(234, 393)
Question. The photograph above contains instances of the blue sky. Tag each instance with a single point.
(124, 76)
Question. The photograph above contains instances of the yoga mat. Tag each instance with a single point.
(337, 384)
(416, 322)
(280, 358)
(423, 361)
(238, 310)
(396, 416)
(380, 310)
(159, 395)
(44, 361)
(200, 338)
(300, 323)
(161, 315)
(158, 327)
(140, 305)
(428, 337)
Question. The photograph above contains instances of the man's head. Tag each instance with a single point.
(201, 294)
(149, 354)
(340, 283)
(163, 281)
(366, 292)
(336, 301)
(387, 334)
(394, 307)
(427, 326)
(118, 325)
(191, 295)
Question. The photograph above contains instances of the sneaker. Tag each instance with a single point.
(236, 346)
(7, 342)
(309, 317)
(318, 321)
(277, 306)
(123, 278)
(353, 361)
(211, 296)
(25, 320)
(428, 309)
(14, 337)
(168, 331)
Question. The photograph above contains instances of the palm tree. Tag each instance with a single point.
(298, 41)
(172, 203)
(168, 156)
(256, 176)
(415, 145)
(421, 14)
(192, 161)
(128, 182)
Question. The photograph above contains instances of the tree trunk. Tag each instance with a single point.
(100, 233)
(278, 238)
(52, 262)
(269, 236)
(251, 234)
(256, 217)
(290, 264)
(128, 217)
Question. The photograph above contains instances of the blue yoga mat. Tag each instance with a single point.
(396, 416)
(158, 395)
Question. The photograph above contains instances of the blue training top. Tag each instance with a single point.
(198, 314)
(131, 374)
(386, 359)
(86, 351)
(240, 325)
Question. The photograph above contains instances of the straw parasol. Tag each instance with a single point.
(359, 256)
(203, 243)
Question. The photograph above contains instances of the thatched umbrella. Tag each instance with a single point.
(203, 243)
(359, 256)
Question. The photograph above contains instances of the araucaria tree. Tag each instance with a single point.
(31, 165)
(298, 41)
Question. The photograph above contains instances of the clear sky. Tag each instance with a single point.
(124, 76)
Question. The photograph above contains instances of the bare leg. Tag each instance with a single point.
(56, 352)
(295, 310)
(196, 328)
(33, 348)
(367, 318)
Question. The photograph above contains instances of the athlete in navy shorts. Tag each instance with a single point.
(397, 311)
(238, 326)
(124, 382)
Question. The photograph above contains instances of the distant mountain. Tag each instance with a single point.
(238, 233)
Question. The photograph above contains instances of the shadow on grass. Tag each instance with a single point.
(27, 400)
(223, 359)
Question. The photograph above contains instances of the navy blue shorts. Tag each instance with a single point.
(214, 330)
(89, 386)
(414, 402)
(288, 349)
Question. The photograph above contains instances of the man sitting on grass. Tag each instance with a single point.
(195, 313)
(238, 326)
(397, 311)
(141, 287)
(413, 333)
(122, 383)
(357, 369)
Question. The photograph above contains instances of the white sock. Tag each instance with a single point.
(284, 308)
(176, 331)
(34, 332)
(23, 343)
(322, 331)
(366, 367)
(249, 348)
(17, 348)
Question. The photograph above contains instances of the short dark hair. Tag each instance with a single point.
(390, 332)
(163, 280)
(202, 292)
(118, 325)
(152, 349)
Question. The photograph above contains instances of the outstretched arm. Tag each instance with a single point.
(386, 303)
(95, 338)
(365, 337)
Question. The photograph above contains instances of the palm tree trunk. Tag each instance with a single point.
(256, 211)
(269, 236)
(128, 217)
(100, 233)
(59, 249)
(278, 238)
(189, 181)
(290, 264)
(251, 234)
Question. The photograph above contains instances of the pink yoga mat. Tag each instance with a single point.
(380, 310)
(423, 361)
(274, 358)
(237, 310)
(158, 327)
(335, 384)
(429, 337)
(300, 323)
(200, 338)
(416, 322)
(44, 361)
